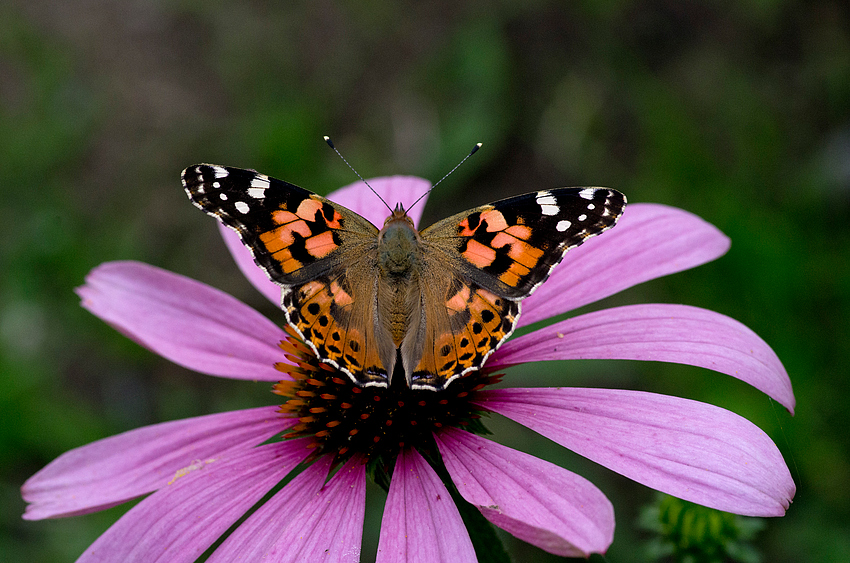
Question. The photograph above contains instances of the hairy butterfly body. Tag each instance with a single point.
(431, 304)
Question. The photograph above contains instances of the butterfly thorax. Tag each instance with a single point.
(398, 245)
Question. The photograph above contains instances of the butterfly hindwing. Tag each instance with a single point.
(466, 324)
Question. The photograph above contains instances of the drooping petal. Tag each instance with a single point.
(356, 197)
(329, 528)
(185, 321)
(421, 522)
(650, 241)
(534, 500)
(119, 468)
(691, 450)
(179, 522)
(393, 189)
(661, 333)
(258, 537)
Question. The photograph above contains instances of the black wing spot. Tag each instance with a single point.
(487, 315)
(445, 350)
(324, 321)
(477, 328)
(313, 308)
(336, 336)
(464, 342)
(352, 360)
(354, 345)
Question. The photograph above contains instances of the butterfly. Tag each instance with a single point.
(429, 306)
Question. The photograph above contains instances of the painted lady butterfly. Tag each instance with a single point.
(430, 305)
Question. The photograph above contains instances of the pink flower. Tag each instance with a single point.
(206, 473)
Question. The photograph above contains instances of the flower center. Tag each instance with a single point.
(345, 419)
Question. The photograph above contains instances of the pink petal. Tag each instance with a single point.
(356, 197)
(534, 500)
(421, 522)
(119, 468)
(190, 323)
(661, 333)
(258, 537)
(691, 450)
(393, 189)
(650, 241)
(329, 528)
(179, 522)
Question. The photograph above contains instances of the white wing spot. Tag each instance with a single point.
(216, 184)
(562, 226)
(587, 193)
(548, 203)
(219, 172)
(258, 188)
(222, 196)
(582, 217)
(591, 207)
(242, 207)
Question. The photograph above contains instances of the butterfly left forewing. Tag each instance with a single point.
(293, 234)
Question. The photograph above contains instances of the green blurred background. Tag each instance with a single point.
(738, 112)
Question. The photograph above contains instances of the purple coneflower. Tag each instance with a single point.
(207, 473)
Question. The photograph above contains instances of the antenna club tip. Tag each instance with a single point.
(475, 149)
(328, 141)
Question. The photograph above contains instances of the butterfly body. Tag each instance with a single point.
(430, 305)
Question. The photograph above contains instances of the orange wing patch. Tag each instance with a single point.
(499, 248)
(299, 237)
(479, 254)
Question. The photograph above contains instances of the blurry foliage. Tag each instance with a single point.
(738, 112)
(683, 532)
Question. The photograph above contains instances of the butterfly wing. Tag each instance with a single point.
(306, 244)
(481, 263)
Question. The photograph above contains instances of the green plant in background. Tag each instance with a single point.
(684, 532)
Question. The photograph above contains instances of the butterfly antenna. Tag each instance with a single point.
(472, 152)
(331, 145)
